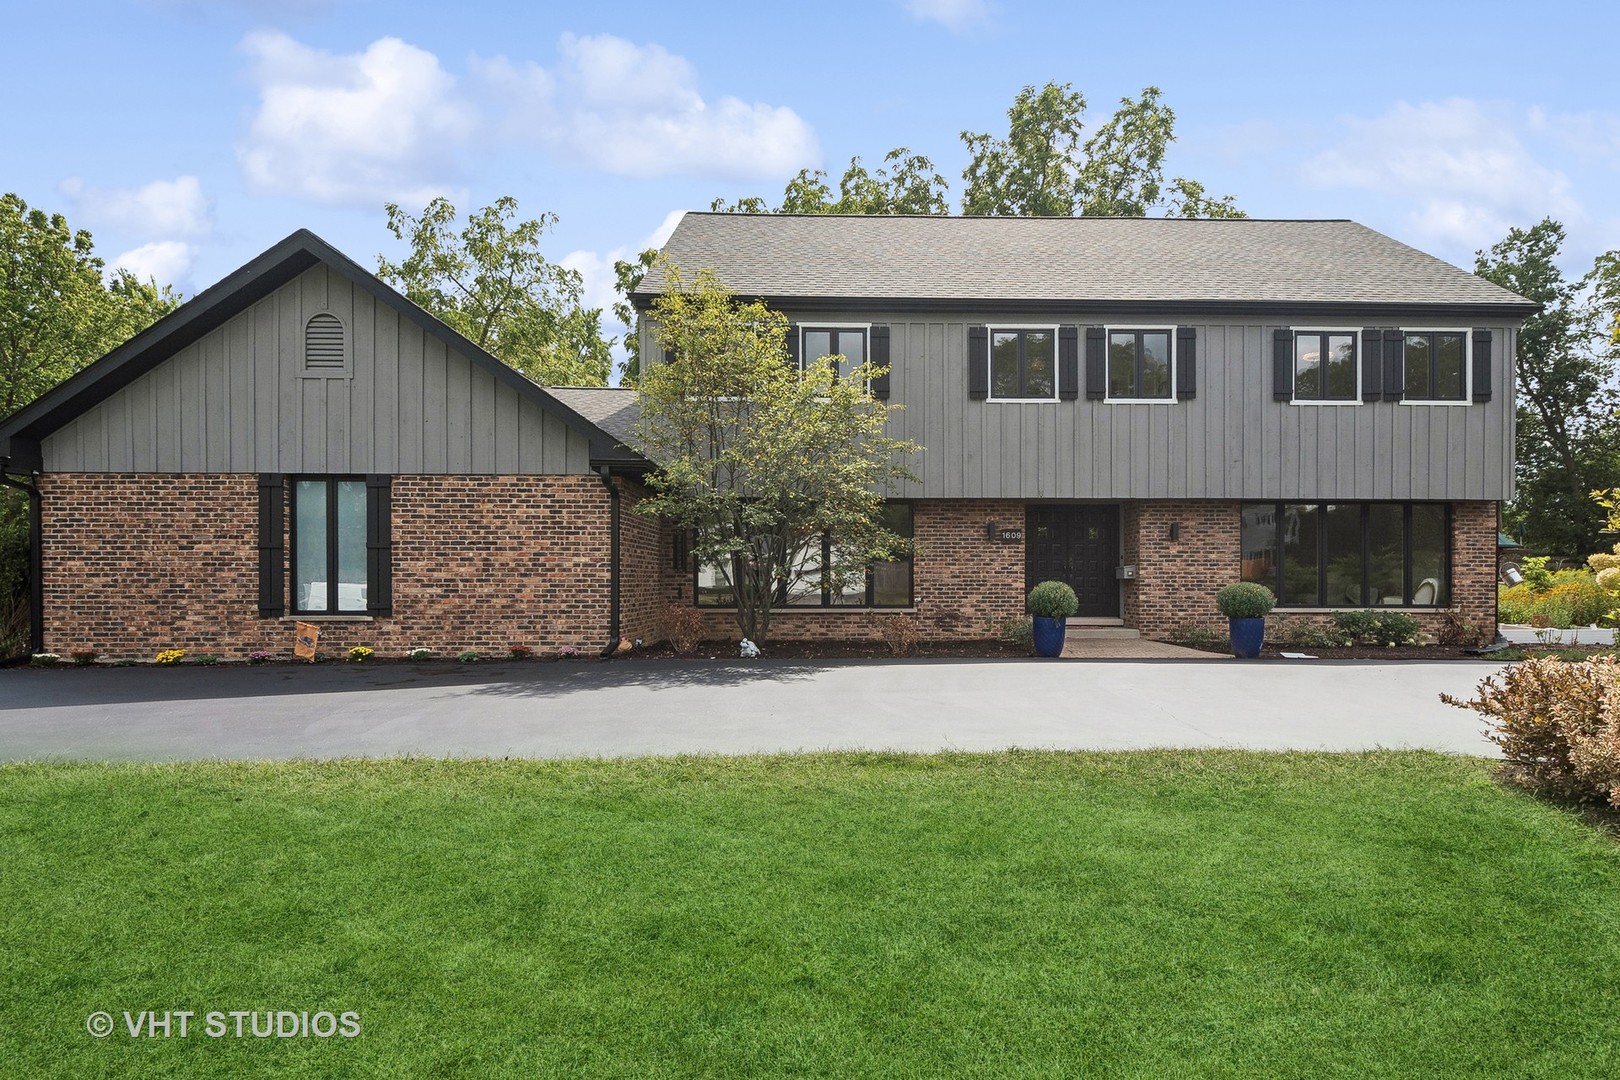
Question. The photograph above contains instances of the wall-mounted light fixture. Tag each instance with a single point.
(1175, 531)
(990, 530)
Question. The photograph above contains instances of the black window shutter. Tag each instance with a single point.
(793, 344)
(1482, 365)
(880, 358)
(379, 546)
(1096, 365)
(978, 361)
(272, 555)
(1186, 362)
(681, 552)
(1394, 365)
(1372, 364)
(1282, 364)
(1068, 362)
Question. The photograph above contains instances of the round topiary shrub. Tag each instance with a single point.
(1245, 600)
(1053, 600)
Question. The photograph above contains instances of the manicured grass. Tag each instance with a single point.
(1026, 914)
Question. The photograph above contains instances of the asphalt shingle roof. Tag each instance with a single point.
(611, 408)
(1067, 259)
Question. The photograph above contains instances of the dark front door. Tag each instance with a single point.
(1079, 545)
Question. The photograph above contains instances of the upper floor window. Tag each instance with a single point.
(847, 342)
(1436, 365)
(1139, 367)
(1325, 365)
(325, 348)
(1023, 364)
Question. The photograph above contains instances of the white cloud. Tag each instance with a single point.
(165, 261)
(363, 128)
(163, 208)
(635, 110)
(596, 268)
(954, 15)
(1462, 164)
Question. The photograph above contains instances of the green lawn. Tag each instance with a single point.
(1149, 914)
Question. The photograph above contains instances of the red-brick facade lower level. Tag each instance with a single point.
(138, 563)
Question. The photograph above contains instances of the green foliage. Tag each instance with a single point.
(1377, 627)
(490, 283)
(1052, 600)
(1306, 633)
(1537, 578)
(626, 280)
(1245, 600)
(1200, 637)
(1568, 440)
(471, 656)
(1558, 724)
(1042, 169)
(758, 458)
(1562, 599)
(906, 183)
(1019, 632)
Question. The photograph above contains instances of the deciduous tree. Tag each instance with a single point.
(758, 458)
(1568, 432)
(490, 282)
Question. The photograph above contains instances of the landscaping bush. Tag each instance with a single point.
(84, 657)
(899, 632)
(683, 628)
(1052, 600)
(520, 652)
(1306, 634)
(44, 659)
(1200, 637)
(169, 657)
(1568, 598)
(1245, 600)
(1377, 627)
(1558, 724)
(1456, 629)
(1019, 632)
(360, 654)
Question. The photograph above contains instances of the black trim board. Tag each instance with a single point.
(231, 296)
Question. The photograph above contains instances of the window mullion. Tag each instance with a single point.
(331, 545)
(1406, 554)
(1321, 555)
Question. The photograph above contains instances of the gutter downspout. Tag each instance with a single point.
(36, 557)
(613, 559)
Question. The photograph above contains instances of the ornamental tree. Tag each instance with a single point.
(758, 458)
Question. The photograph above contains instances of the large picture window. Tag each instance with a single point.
(884, 584)
(1139, 365)
(1349, 555)
(1436, 365)
(1325, 365)
(329, 532)
(1023, 364)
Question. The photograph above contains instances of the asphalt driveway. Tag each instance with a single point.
(640, 707)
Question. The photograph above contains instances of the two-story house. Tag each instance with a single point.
(1150, 409)
(1147, 409)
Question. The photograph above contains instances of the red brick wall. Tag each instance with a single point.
(965, 585)
(645, 551)
(138, 563)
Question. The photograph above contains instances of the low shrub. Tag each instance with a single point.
(567, 652)
(169, 657)
(471, 656)
(520, 652)
(1458, 629)
(1019, 632)
(1569, 598)
(1245, 600)
(1536, 575)
(1557, 722)
(44, 659)
(259, 656)
(84, 657)
(207, 659)
(1200, 637)
(899, 632)
(1052, 600)
(1377, 627)
(683, 627)
(420, 654)
(360, 654)
(1306, 634)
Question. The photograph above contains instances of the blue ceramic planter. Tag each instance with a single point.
(1048, 636)
(1247, 637)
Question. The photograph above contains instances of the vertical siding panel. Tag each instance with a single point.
(1401, 453)
(289, 363)
(1278, 420)
(458, 412)
(165, 416)
(1243, 473)
(943, 463)
(1203, 441)
(435, 411)
(483, 432)
(143, 424)
(192, 408)
(312, 425)
(531, 457)
(119, 454)
(579, 452)
(553, 444)
(363, 418)
(508, 437)
(336, 400)
(388, 389)
(216, 415)
(1066, 457)
(239, 372)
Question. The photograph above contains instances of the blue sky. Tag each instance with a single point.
(189, 135)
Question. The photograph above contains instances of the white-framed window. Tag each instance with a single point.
(1437, 363)
(848, 340)
(1141, 364)
(1023, 363)
(1327, 365)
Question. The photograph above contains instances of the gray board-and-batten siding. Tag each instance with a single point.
(238, 401)
(1232, 441)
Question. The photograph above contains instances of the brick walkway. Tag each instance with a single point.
(1080, 648)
